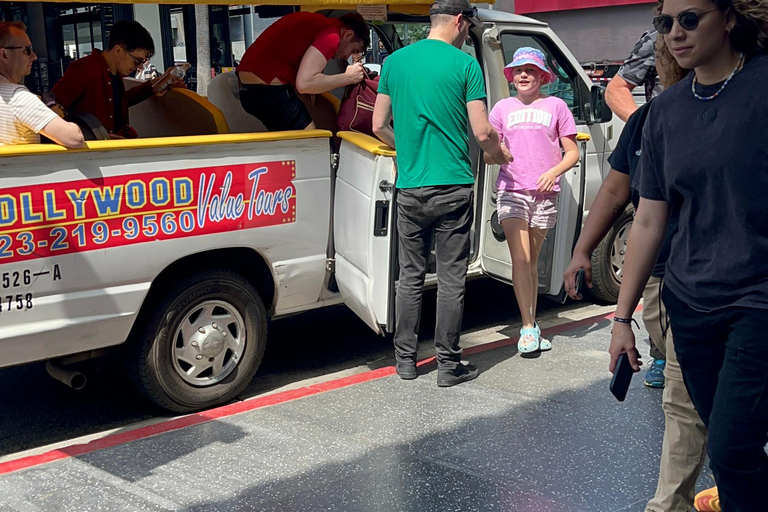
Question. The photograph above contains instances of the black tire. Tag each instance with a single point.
(154, 341)
(608, 259)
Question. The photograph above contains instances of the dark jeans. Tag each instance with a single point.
(724, 358)
(446, 214)
(276, 106)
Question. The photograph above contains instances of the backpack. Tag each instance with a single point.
(356, 109)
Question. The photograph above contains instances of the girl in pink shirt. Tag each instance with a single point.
(540, 132)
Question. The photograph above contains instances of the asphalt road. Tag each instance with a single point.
(36, 410)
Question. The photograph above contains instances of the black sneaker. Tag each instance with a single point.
(406, 370)
(451, 376)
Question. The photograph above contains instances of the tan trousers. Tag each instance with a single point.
(685, 436)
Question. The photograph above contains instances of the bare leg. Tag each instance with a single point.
(518, 239)
(537, 240)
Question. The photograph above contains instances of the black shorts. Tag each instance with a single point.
(277, 106)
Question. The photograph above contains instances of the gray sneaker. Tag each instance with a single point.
(447, 377)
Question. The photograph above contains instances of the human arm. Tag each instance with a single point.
(63, 133)
(486, 135)
(310, 78)
(139, 93)
(645, 239)
(611, 199)
(618, 96)
(639, 67)
(382, 116)
(546, 181)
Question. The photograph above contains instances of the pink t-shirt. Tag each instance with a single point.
(532, 134)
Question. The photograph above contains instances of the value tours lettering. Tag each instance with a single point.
(61, 218)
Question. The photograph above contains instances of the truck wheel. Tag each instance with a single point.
(201, 343)
(608, 258)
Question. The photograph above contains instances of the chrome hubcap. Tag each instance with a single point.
(619, 250)
(209, 343)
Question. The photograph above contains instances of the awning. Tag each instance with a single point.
(407, 6)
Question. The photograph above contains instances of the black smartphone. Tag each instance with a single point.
(579, 281)
(622, 376)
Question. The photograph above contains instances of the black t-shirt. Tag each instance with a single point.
(709, 161)
(625, 159)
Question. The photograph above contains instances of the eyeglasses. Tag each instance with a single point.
(27, 49)
(688, 20)
(136, 60)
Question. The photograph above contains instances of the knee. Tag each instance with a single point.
(521, 262)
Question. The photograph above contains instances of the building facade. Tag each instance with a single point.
(594, 30)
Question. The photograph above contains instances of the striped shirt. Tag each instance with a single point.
(22, 114)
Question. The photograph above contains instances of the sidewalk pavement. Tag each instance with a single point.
(531, 434)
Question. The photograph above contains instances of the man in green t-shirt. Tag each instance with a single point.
(435, 90)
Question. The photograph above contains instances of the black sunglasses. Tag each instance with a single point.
(689, 20)
(27, 49)
(136, 60)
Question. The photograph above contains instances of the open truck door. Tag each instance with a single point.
(363, 229)
(571, 87)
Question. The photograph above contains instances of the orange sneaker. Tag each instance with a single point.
(707, 501)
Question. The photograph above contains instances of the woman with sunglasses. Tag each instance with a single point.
(704, 160)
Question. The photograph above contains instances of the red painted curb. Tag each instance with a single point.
(253, 404)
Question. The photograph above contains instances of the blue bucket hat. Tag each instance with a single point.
(528, 55)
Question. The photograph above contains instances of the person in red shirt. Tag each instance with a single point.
(289, 58)
(94, 84)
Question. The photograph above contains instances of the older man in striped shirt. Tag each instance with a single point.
(23, 116)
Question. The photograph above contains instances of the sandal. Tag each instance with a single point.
(544, 344)
(528, 341)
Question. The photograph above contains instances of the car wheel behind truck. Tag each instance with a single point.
(200, 343)
(608, 258)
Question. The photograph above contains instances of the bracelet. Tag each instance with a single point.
(626, 321)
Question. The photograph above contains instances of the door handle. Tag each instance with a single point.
(386, 186)
(380, 218)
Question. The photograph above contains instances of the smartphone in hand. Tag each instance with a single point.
(622, 376)
(579, 281)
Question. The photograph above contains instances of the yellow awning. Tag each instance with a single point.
(406, 6)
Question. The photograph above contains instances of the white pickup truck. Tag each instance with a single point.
(178, 247)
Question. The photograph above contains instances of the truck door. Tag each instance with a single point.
(363, 226)
(571, 87)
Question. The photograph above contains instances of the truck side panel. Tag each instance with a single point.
(84, 233)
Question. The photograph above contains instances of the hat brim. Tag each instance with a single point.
(547, 77)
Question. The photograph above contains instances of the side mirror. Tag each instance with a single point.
(599, 111)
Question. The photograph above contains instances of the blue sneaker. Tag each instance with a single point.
(654, 377)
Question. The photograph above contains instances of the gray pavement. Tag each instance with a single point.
(533, 434)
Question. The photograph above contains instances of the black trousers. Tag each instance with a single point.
(724, 358)
(446, 214)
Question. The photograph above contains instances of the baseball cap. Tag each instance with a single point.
(454, 7)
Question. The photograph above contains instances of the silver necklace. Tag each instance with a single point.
(709, 98)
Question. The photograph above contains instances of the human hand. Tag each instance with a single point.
(546, 182)
(623, 341)
(502, 157)
(354, 73)
(578, 261)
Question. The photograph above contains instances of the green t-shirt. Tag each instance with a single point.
(430, 83)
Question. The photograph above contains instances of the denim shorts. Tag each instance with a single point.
(539, 210)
